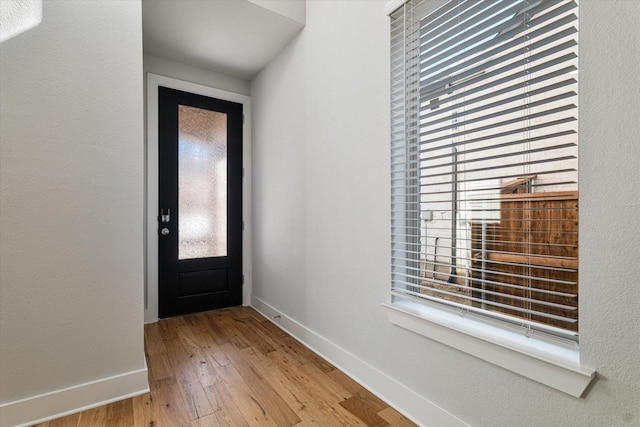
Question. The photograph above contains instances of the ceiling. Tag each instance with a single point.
(234, 37)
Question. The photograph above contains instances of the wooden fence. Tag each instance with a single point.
(537, 236)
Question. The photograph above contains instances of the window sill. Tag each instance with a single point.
(549, 364)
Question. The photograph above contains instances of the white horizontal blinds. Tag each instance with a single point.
(497, 164)
(405, 110)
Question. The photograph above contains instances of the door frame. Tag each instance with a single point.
(151, 184)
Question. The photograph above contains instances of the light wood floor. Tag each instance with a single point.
(235, 368)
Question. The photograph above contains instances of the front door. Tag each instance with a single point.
(200, 203)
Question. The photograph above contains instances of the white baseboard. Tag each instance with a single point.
(59, 403)
(414, 406)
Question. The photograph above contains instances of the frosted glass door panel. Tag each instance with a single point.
(202, 183)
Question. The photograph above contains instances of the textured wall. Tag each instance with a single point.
(321, 216)
(71, 163)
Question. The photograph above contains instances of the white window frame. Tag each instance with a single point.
(535, 357)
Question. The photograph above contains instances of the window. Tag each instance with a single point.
(485, 162)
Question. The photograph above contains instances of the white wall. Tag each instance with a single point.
(321, 219)
(71, 272)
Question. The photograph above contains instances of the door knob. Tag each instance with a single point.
(164, 231)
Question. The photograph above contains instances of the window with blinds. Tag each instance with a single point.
(485, 160)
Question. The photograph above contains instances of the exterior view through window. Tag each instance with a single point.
(485, 160)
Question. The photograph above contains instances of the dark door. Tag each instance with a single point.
(200, 203)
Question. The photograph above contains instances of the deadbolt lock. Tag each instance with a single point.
(165, 215)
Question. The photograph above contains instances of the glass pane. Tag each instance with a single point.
(202, 183)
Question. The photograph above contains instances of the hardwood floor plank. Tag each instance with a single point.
(267, 397)
(119, 414)
(199, 335)
(395, 418)
(282, 345)
(188, 339)
(250, 312)
(213, 325)
(68, 421)
(311, 410)
(96, 417)
(225, 410)
(169, 408)
(247, 327)
(196, 399)
(208, 421)
(235, 368)
(321, 392)
(143, 411)
(168, 328)
(300, 352)
(197, 326)
(296, 398)
(357, 390)
(205, 367)
(309, 355)
(331, 387)
(180, 361)
(159, 367)
(365, 411)
(153, 340)
(272, 335)
(226, 323)
(245, 398)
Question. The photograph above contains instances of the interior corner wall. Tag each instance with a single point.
(191, 74)
(294, 10)
(71, 212)
(321, 218)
